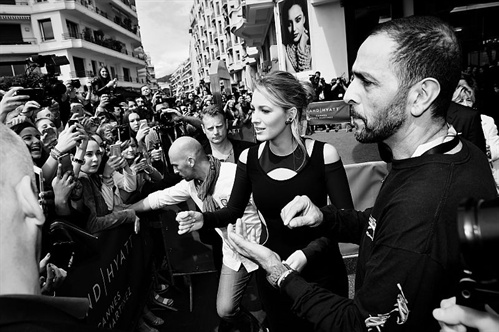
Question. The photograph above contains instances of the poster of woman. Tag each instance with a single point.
(296, 35)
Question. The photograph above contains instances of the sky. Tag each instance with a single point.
(164, 27)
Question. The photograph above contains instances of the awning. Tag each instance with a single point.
(15, 17)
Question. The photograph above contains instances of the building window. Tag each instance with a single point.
(126, 74)
(238, 57)
(73, 29)
(46, 29)
(218, 8)
(11, 34)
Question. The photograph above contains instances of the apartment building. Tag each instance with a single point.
(90, 33)
(181, 80)
(212, 41)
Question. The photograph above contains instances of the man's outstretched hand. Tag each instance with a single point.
(301, 212)
(189, 221)
(239, 241)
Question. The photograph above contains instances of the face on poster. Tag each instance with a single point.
(296, 35)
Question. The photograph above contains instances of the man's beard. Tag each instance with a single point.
(386, 122)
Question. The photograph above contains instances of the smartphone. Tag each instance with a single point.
(143, 123)
(72, 122)
(34, 94)
(39, 178)
(65, 161)
(115, 150)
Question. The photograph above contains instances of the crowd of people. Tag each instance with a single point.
(103, 161)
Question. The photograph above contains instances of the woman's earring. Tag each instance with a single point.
(288, 121)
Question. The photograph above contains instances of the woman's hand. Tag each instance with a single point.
(10, 101)
(63, 185)
(17, 120)
(114, 163)
(139, 165)
(142, 133)
(112, 83)
(70, 137)
(30, 107)
(49, 137)
(157, 154)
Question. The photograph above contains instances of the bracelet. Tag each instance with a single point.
(277, 272)
(54, 153)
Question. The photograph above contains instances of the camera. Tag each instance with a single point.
(52, 87)
(478, 228)
(75, 83)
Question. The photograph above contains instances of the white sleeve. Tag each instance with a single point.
(170, 196)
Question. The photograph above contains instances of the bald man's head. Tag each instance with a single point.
(186, 146)
(21, 219)
(187, 156)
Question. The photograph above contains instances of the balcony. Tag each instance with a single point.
(107, 43)
(257, 15)
(124, 23)
(25, 41)
(27, 45)
(18, 3)
(126, 6)
(81, 73)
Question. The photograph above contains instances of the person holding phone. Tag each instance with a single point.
(101, 204)
(137, 128)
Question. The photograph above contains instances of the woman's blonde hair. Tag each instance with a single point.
(285, 90)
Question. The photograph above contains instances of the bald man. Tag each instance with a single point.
(209, 183)
(23, 308)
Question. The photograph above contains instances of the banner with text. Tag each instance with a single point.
(115, 280)
(328, 112)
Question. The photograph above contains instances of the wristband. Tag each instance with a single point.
(277, 272)
(56, 154)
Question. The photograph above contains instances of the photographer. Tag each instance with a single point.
(336, 90)
(317, 84)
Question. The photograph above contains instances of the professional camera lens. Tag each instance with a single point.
(478, 227)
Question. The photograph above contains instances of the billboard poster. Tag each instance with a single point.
(295, 35)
